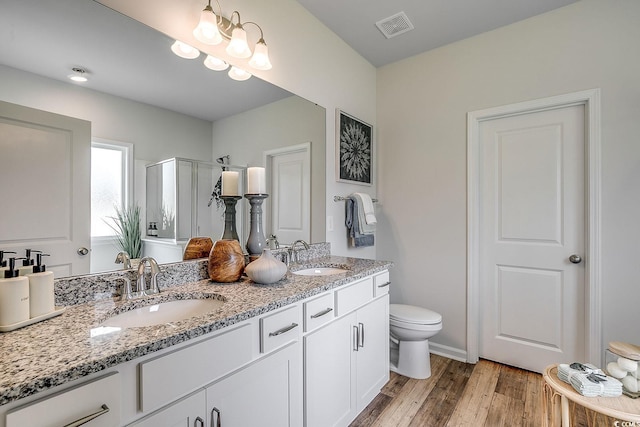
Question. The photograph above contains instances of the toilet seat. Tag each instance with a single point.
(402, 313)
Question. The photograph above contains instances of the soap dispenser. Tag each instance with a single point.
(41, 295)
(3, 262)
(14, 296)
(27, 263)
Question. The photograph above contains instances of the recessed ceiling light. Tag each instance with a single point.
(79, 75)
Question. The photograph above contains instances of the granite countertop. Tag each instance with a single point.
(65, 348)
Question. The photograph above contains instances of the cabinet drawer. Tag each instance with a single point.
(318, 311)
(168, 377)
(279, 328)
(90, 398)
(381, 283)
(353, 296)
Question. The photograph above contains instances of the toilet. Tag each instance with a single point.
(410, 328)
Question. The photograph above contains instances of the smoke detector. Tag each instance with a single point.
(394, 25)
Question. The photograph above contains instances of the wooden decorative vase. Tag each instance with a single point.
(266, 269)
(226, 261)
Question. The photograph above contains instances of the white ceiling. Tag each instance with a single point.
(130, 60)
(436, 22)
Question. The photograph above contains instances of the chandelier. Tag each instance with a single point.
(213, 29)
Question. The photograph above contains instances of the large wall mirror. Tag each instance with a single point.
(141, 95)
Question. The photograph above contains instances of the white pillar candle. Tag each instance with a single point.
(256, 181)
(229, 183)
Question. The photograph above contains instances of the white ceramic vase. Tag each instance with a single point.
(266, 269)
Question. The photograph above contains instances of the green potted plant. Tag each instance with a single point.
(126, 224)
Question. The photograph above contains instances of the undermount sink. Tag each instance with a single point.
(165, 312)
(320, 271)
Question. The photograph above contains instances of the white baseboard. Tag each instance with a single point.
(449, 352)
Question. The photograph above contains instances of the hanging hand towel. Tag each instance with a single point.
(355, 238)
(367, 207)
(362, 225)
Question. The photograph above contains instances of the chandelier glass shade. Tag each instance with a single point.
(213, 29)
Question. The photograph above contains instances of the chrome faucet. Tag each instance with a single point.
(123, 258)
(155, 270)
(293, 253)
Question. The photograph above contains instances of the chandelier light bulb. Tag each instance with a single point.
(238, 47)
(184, 50)
(260, 59)
(207, 30)
(239, 74)
(216, 64)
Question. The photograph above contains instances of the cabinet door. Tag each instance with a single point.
(373, 355)
(267, 393)
(183, 413)
(330, 374)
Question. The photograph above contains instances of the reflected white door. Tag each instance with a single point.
(289, 172)
(45, 164)
(532, 219)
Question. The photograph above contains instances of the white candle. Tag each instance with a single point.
(256, 182)
(229, 183)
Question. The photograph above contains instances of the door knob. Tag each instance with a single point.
(83, 251)
(576, 259)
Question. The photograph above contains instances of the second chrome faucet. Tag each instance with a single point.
(141, 286)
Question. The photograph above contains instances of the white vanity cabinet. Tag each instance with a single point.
(317, 362)
(267, 393)
(249, 375)
(347, 360)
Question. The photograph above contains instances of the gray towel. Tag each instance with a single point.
(355, 238)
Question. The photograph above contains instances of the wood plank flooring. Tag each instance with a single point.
(459, 394)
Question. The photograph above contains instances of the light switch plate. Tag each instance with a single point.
(330, 223)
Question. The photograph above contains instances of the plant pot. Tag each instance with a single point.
(226, 261)
(266, 269)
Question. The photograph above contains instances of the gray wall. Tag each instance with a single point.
(290, 121)
(422, 106)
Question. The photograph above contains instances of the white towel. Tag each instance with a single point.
(367, 206)
(364, 228)
(579, 379)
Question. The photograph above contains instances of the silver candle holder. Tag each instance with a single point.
(256, 241)
(230, 231)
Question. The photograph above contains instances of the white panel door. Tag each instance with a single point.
(45, 165)
(532, 219)
(290, 177)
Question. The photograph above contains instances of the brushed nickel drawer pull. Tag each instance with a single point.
(384, 285)
(322, 313)
(356, 338)
(283, 330)
(219, 418)
(103, 410)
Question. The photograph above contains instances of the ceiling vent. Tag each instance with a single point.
(394, 25)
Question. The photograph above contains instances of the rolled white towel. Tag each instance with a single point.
(627, 364)
(615, 370)
(630, 384)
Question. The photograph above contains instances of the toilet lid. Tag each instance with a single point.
(413, 314)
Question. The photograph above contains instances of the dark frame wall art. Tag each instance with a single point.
(354, 150)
